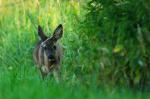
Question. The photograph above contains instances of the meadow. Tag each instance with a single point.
(84, 55)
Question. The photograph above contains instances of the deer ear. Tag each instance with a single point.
(41, 33)
(58, 32)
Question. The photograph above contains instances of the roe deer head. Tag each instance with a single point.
(47, 53)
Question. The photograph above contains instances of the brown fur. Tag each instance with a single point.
(43, 63)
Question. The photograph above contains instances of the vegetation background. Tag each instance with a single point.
(106, 46)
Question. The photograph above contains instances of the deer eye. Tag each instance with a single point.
(54, 47)
(45, 47)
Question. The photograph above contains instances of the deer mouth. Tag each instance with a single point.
(51, 60)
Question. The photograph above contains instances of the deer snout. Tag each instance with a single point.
(50, 57)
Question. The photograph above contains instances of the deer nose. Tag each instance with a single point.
(50, 57)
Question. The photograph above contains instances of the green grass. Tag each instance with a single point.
(19, 79)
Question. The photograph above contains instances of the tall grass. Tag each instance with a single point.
(19, 79)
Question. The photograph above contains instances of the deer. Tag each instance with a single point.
(48, 52)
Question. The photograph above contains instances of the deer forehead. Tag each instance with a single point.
(47, 41)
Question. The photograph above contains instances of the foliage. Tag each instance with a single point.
(122, 26)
